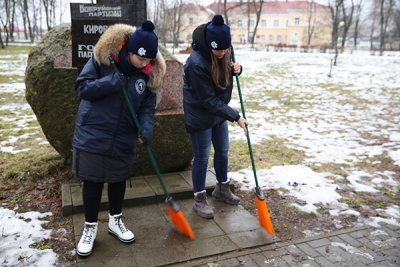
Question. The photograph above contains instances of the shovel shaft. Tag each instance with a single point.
(139, 128)
(244, 116)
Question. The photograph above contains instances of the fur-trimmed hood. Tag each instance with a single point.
(111, 42)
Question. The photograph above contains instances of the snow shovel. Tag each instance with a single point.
(261, 203)
(176, 215)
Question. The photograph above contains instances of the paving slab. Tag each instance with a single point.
(233, 238)
(159, 242)
(141, 190)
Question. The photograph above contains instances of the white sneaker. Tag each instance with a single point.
(117, 228)
(85, 245)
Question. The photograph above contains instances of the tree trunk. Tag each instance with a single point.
(1, 42)
(258, 13)
(347, 19)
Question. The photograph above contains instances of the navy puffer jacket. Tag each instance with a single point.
(205, 105)
(104, 124)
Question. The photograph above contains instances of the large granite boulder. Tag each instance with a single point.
(49, 80)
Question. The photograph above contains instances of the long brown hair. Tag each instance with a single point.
(226, 67)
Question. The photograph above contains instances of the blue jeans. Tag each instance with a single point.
(201, 141)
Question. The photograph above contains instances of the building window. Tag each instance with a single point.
(287, 23)
(262, 38)
(239, 39)
(239, 24)
(190, 21)
(271, 38)
(276, 23)
(252, 23)
(278, 38)
(296, 21)
(263, 23)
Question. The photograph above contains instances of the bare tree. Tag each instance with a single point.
(5, 20)
(11, 21)
(248, 19)
(2, 19)
(374, 17)
(396, 18)
(1, 42)
(385, 12)
(174, 20)
(159, 19)
(335, 7)
(49, 9)
(311, 19)
(27, 19)
(347, 18)
(258, 6)
(231, 7)
(358, 10)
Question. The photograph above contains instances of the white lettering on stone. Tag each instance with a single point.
(101, 11)
(85, 51)
(94, 29)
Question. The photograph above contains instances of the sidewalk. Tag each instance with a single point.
(232, 238)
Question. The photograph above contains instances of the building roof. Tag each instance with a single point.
(191, 7)
(268, 7)
(16, 29)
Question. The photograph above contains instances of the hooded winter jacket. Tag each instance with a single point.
(205, 105)
(104, 124)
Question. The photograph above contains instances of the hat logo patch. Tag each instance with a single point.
(214, 45)
(140, 86)
(141, 52)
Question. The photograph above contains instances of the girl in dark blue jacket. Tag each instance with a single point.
(105, 134)
(207, 91)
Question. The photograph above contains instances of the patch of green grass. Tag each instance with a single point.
(276, 71)
(41, 245)
(267, 154)
(14, 50)
(16, 198)
(13, 78)
(275, 94)
(334, 168)
(354, 202)
(33, 164)
(377, 204)
(7, 98)
(252, 105)
(388, 192)
(382, 163)
(289, 207)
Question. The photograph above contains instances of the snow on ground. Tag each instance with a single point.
(329, 120)
(330, 117)
(18, 232)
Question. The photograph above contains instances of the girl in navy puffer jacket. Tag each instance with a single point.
(105, 134)
(208, 78)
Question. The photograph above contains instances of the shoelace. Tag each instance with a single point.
(204, 201)
(121, 225)
(88, 233)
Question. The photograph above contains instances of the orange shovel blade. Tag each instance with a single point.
(180, 221)
(263, 216)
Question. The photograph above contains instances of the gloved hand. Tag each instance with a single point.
(145, 139)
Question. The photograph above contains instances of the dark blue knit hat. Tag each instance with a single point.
(218, 34)
(144, 41)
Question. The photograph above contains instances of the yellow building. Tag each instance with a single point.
(281, 22)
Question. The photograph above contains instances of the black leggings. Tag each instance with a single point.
(92, 197)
